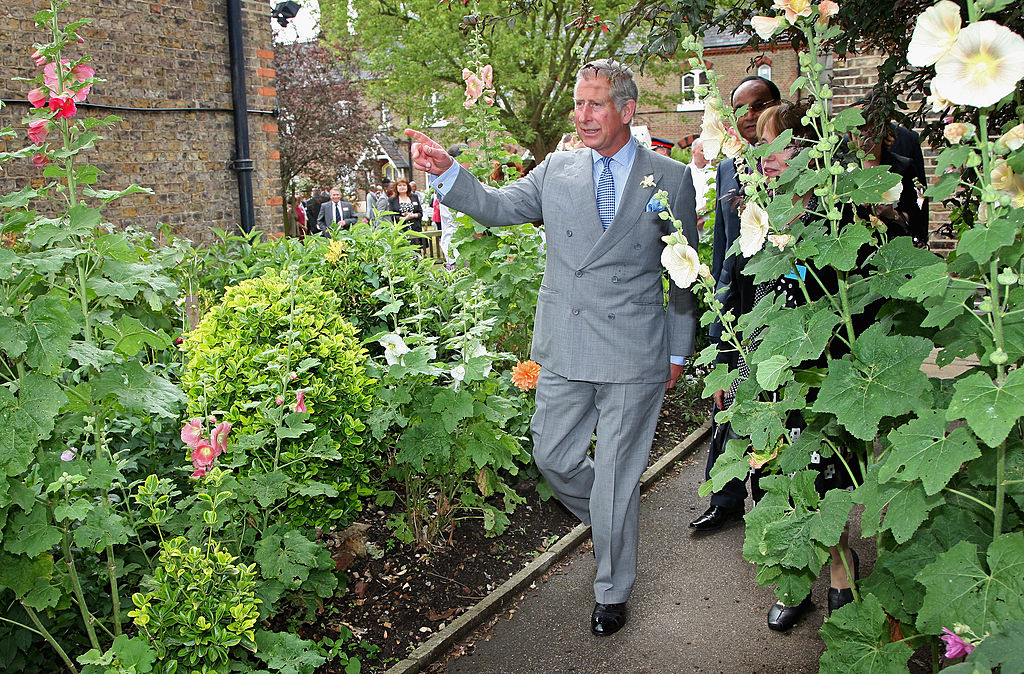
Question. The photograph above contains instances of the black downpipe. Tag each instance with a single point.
(242, 162)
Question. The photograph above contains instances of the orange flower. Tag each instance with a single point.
(524, 375)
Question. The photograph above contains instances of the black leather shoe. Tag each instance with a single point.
(782, 617)
(715, 517)
(840, 598)
(607, 619)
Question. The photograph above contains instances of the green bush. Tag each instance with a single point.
(269, 339)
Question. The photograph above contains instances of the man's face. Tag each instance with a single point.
(699, 160)
(335, 195)
(412, 187)
(599, 125)
(661, 149)
(756, 96)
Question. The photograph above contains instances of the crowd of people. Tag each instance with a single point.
(608, 344)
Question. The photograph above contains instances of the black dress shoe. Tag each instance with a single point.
(782, 617)
(715, 517)
(840, 598)
(607, 619)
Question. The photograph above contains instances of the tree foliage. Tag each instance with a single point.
(419, 47)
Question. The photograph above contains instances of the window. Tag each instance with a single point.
(690, 82)
(765, 71)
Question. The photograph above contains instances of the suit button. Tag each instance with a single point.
(636, 245)
(615, 279)
(568, 232)
(579, 273)
(611, 317)
(575, 312)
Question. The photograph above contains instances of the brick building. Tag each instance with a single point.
(728, 56)
(167, 61)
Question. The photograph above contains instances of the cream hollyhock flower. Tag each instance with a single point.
(935, 34)
(938, 101)
(753, 229)
(766, 26)
(1013, 139)
(793, 8)
(983, 66)
(712, 132)
(733, 145)
(826, 10)
(893, 194)
(704, 272)
(956, 132)
(1002, 176)
(681, 261)
(780, 241)
(394, 348)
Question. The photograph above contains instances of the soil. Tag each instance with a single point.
(400, 598)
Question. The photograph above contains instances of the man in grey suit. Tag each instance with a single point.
(606, 343)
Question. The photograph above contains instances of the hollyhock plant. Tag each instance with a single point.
(219, 436)
(38, 57)
(826, 10)
(680, 259)
(474, 87)
(794, 8)
(37, 97)
(487, 74)
(766, 26)
(64, 107)
(38, 130)
(300, 402)
(753, 228)
(394, 348)
(957, 132)
(983, 66)
(39, 160)
(192, 432)
(956, 647)
(1013, 139)
(525, 375)
(934, 34)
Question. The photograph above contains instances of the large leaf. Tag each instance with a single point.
(883, 379)
(962, 588)
(982, 240)
(857, 638)
(921, 450)
(895, 264)
(31, 533)
(452, 407)
(866, 185)
(287, 653)
(903, 505)
(129, 336)
(1001, 649)
(138, 390)
(25, 419)
(798, 334)
(48, 332)
(990, 409)
(840, 251)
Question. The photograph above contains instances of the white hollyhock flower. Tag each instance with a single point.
(983, 66)
(394, 348)
(826, 10)
(712, 132)
(1002, 176)
(937, 101)
(793, 8)
(458, 373)
(704, 272)
(732, 145)
(935, 34)
(893, 194)
(765, 26)
(1013, 139)
(477, 351)
(780, 241)
(753, 229)
(682, 263)
(955, 132)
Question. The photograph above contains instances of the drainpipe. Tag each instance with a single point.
(242, 163)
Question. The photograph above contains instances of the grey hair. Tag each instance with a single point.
(620, 77)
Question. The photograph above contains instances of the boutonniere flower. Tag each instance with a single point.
(647, 182)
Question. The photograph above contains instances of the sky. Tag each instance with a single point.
(302, 27)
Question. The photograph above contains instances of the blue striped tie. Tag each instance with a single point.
(606, 194)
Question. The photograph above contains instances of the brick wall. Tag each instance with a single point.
(732, 65)
(161, 54)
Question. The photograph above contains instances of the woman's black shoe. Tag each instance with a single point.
(840, 598)
(782, 617)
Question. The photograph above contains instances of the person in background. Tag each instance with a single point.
(312, 206)
(405, 206)
(425, 216)
(372, 194)
(446, 218)
(700, 171)
(300, 217)
(335, 214)
(663, 147)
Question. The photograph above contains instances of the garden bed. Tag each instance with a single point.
(398, 597)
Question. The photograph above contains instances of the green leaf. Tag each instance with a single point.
(286, 558)
(452, 407)
(1001, 649)
(773, 372)
(26, 419)
(963, 588)
(841, 251)
(882, 379)
(731, 464)
(798, 334)
(866, 185)
(848, 119)
(128, 336)
(942, 310)
(857, 639)
(954, 155)
(22, 574)
(102, 527)
(719, 378)
(266, 488)
(763, 420)
(75, 510)
(990, 409)
(12, 337)
(944, 187)
(48, 332)
(138, 390)
(981, 241)
(88, 355)
(287, 653)
(927, 282)
(31, 533)
(921, 450)
(904, 505)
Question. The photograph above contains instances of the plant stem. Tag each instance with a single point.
(115, 596)
(970, 498)
(76, 587)
(49, 639)
(997, 524)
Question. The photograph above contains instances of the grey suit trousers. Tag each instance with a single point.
(625, 416)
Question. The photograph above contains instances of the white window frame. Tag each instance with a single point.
(765, 70)
(688, 82)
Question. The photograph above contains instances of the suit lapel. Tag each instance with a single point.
(634, 204)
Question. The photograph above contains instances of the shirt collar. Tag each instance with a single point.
(624, 156)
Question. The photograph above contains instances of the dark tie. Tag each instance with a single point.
(606, 194)
(337, 213)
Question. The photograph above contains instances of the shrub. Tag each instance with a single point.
(276, 338)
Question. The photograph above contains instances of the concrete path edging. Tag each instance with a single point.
(430, 650)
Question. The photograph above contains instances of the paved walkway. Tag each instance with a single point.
(695, 607)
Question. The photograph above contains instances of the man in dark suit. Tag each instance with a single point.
(607, 346)
(334, 211)
(757, 94)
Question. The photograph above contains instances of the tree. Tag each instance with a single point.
(324, 126)
(418, 48)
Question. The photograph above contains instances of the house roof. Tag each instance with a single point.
(393, 150)
(717, 38)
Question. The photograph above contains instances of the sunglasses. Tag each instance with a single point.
(759, 106)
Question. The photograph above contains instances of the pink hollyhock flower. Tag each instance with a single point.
(39, 58)
(487, 74)
(203, 455)
(279, 400)
(40, 160)
(38, 130)
(192, 432)
(37, 97)
(488, 100)
(68, 454)
(63, 106)
(474, 87)
(956, 647)
(300, 403)
(82, 73)
(219, 437)
(294, 376)
(199, 472)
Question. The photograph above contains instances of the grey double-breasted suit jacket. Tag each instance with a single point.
(601, 315)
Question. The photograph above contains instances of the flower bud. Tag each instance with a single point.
(998, 357)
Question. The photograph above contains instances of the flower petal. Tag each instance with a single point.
(934, 34)
(983, 66)
(753, 228)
